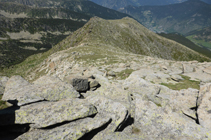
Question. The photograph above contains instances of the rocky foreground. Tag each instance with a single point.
(92, 86)
(114, 101)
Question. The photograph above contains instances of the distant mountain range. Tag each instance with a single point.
(182, 18)
(117, 4)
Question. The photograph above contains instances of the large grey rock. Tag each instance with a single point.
(45, 88)
(79, 83)
(70, 131)
(158, 122)
(110, 109)
(44, 80)
(15, 82)
(204, 109)
(181, 101)
(45, 114)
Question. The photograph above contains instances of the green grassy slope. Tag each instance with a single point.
(131, 36)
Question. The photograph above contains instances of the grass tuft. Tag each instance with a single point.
(125, 73)
(185, 84)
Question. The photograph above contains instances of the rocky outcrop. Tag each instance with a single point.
(45, 114)
(134, 108)
(73, 131)
(19, 91)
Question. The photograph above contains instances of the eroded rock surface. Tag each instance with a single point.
(45, 114)
(71, 131)
(47, 88)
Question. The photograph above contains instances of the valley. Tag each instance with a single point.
(181, 18)
(202, 37)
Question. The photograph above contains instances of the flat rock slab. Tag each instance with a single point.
(45, 114)
(204, 77)
(208, 70)
(70, 131)
(204, 109)
(163, 123)
(15, 82)
(110, 108)
(23, 93)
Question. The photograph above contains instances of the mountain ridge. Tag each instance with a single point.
(112, 38)
(117, 4)
(27, 29)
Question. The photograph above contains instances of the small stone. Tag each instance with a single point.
(79, 83)
(164, 67)
(176, 78)
(111, 73)
(93, 83)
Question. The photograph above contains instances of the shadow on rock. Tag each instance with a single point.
(8, 129)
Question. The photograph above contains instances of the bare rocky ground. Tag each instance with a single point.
(88, 92)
